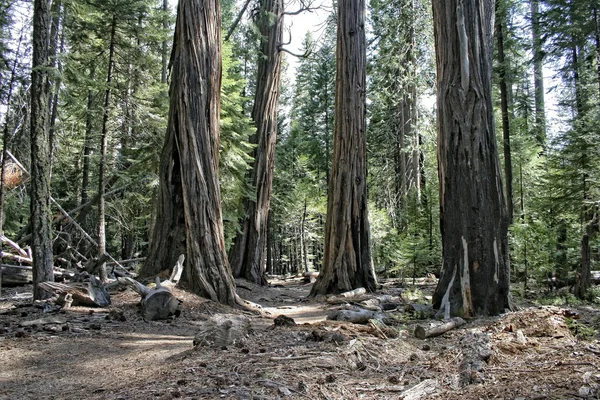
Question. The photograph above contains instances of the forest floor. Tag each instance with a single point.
(84, 353)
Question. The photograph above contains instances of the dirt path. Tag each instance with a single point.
(113, 354)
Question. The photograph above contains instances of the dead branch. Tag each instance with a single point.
(14, 245)
(237, 20)
(422, 333)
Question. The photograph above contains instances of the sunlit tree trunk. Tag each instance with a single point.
(188, 218)
(347, 258)
(474, 222)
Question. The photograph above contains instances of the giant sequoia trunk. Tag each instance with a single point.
(347, 258)
(188, 218)
(41, 244)
(475, 273)
(246, 257)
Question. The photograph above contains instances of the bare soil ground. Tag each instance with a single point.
(85, 353)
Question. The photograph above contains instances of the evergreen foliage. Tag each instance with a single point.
(555, 170)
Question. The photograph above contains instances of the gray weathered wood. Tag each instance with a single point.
(355, 316)
(91, 293)
(160, 303)
(422, 332)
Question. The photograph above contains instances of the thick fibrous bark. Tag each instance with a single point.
(246, 257)
(347, 258)
(474, 223)
(41, 244)
(189, 203)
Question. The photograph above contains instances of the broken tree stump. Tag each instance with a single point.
(91, 293)
(158, 302)
(422, 332)
(223, 330)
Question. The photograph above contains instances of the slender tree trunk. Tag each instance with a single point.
(54, 49)
(584, 270)
(103, 150)
(597, 44)
(505, 110)
(165, 45)
(189, 203)
(303, 239)
(247, 253)
(87, 146)
(6, 136)
(538, 74)
(475, 274)
(41, 244)
(269, 267)
(347, 259)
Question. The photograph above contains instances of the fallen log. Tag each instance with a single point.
(345, 296)
(354, 292)
(91, 293)
(422, 390)
(356, 317)
(15, 276)
(422, 332)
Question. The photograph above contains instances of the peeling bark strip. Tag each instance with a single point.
(188, 218)
(347, 257)
(474, 223)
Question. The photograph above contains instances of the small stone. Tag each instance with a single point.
(284, 391)
(284, 320)
(585, 391)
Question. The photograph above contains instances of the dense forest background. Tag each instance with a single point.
(109, 81)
